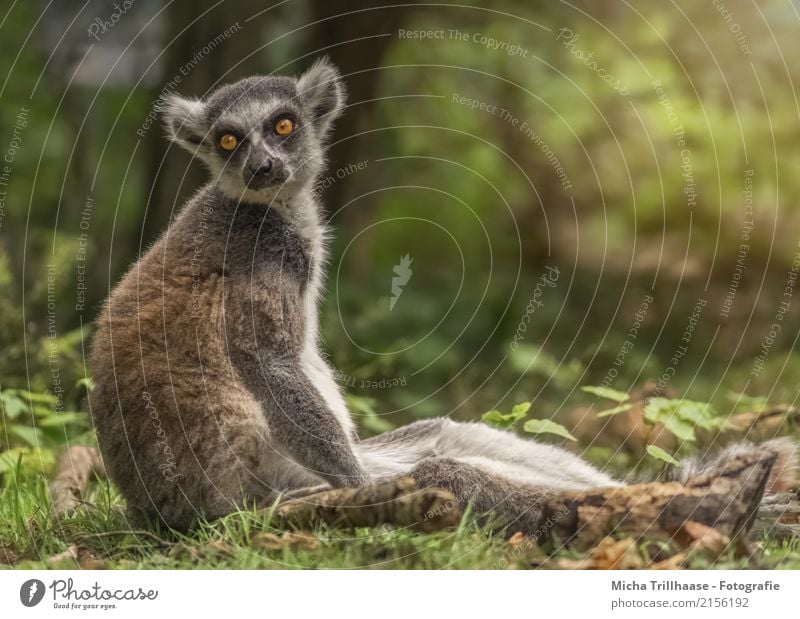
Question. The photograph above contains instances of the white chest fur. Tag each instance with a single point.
(305, 217)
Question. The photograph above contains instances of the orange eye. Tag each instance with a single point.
(228, 141)
(284, 126)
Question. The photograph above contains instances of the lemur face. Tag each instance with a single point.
(263, 136)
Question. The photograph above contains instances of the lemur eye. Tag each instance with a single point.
(284, 126)
(228, 141)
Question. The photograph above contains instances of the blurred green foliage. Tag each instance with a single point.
(32, 427)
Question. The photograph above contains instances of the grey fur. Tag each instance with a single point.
(211, 392)
(782, 476)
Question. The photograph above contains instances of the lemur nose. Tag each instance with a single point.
(260, 169)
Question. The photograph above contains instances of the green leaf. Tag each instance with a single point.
(42, 411)
(699, 413)
(364, 409)
(32, 436)
(12, 406)
(681, 416)
(504, 421)
(496, 419)
(62, 419)
(531, 359)
(607, 392)
(534, 360)
(658, 410)
(37, 398)
(546, 426)
(615, 411)
(680, 428)
(654, 451)
(521, 409)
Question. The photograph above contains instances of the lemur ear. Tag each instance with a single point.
(321, 91)
(184, 120)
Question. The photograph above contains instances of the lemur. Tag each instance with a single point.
(211, 391)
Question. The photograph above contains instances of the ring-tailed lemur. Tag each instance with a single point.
(211, 392)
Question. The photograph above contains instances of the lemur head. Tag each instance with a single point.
(263, 137)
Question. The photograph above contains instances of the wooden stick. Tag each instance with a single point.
(398, 503)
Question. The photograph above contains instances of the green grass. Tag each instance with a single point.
(31, 539)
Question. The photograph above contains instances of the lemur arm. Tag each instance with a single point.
(300, 422)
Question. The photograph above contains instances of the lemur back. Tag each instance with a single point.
(211, 393)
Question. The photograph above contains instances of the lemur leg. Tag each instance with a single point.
(301, 424)
(501, 452)
(494, 499)
(174, 477)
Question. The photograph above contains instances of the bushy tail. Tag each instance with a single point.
(782, 477)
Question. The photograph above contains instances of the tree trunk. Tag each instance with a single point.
(349, 34)
(174, 176)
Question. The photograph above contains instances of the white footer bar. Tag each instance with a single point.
(393, 594)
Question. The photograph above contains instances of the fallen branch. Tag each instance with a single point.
(398, 503)
(727, 502)
(74, 469)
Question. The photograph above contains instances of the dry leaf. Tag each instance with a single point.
(217, 549)
(70, 554)
(185, 552)
(293, 540)
(705, 538)
(301, 540)
(575, 564)
(266, 541)
(611, 554)
(8, 554)
(525, 550)
(87, 561)
(789, 516)
(675, 562)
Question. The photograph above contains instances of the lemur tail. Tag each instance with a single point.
(782, 477)
(779, 509)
